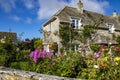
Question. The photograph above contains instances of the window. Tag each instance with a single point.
(76, 23)
(111, 28)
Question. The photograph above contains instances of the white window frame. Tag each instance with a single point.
(77, 23)
(111, 28)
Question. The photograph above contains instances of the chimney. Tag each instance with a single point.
(115, 14)
(80, 6)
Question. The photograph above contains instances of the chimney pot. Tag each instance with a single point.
(115, 13)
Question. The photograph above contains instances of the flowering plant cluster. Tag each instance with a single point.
(99, 52)
(40, 54)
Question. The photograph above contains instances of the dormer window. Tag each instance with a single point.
(111, 28)
(76, 23)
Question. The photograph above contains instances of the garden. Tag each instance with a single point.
(102, 63)
(99, 65)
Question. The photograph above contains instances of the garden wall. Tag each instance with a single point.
(13, 74)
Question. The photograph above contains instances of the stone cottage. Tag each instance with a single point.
(79, 17)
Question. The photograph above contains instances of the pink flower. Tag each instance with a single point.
(40, 54)
(97, 55)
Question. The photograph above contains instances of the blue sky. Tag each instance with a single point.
(28, 16)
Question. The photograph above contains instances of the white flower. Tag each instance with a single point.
(95, 66)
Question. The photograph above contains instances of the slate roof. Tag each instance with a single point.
(87, 17)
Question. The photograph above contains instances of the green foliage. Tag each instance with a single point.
(67, 35)
(8, 53)
(22, 55)
(38, 43)
(24, 45)
(95, 47)
(118, 39)
(88, 31)
(53, 47)
(2, 60)
(64, 33)
(20, 65)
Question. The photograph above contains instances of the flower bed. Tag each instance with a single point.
(91, 66)
(99, 65)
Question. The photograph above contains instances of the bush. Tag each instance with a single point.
(95, 47)
(20, 65)
(8, 53)
(2, 60)
(22, 55)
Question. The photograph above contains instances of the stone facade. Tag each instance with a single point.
(13, 74)
(51, 28)
(51, 32)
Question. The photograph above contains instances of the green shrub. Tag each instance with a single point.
(15, 65)
(95, 47)
(2, 60)
(22, 55)
(20, 65)
(8, 53)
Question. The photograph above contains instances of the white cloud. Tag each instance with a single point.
(48, 8)
(94, 5)
(7, 5)
(15, 18)
(28, 20)
(29, 4)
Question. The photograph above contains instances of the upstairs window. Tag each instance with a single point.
(111, 28)
(76, 23)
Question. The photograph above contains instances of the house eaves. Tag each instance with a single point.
(54, 17)
(50, 20)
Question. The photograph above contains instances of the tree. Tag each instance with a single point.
(38, 43)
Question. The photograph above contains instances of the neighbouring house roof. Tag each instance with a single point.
(87, 17)
(6, 35)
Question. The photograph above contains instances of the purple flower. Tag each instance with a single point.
(36, 55)
(32, 54)
(39, 54)
(97, 55)
(49, 54)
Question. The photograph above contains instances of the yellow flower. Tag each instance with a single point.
(105, 58)
(116, 63)
(116, 58)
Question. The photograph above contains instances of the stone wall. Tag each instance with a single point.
(13, 74)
